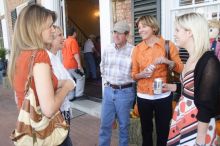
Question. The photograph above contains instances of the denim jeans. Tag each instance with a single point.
(80, 83)
(116, 103)
(90, 65)
(67, 141)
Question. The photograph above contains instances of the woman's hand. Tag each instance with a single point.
(150, 68)
(161, 60)
(145, 74)
(148, 71)
(60, 83)
(201, 133)
(169, 87)
(164, 60)
(67, 84)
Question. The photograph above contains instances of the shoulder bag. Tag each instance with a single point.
(33, 128)
(172, 76)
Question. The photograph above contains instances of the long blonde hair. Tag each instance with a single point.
(28, 33)
(198, 25)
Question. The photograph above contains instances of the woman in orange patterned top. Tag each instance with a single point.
(33, 32)
(149, 62)
(193, 122)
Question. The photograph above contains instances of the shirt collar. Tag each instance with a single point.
(125, 46)
(160, 43)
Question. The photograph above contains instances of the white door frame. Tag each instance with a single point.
(106, 24)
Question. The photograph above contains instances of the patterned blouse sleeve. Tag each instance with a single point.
(207, 88)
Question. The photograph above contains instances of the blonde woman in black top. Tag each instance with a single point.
(193, 120)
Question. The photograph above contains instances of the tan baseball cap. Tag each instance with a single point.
(121, 27)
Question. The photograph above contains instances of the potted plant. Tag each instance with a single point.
(3, 61)
(2, 53)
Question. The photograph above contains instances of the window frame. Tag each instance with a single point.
(169, 13)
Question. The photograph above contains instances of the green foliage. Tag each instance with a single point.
(1, 43)
(2, 53)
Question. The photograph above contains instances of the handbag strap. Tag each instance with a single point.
(167, 48)
(30, 72)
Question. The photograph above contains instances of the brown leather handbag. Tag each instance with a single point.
(172, 76)
(33, 127)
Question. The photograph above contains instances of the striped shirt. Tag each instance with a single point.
(184, 55)
(116, 64)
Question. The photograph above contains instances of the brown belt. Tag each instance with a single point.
(120, 86)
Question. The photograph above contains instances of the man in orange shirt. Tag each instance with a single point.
(71, 61)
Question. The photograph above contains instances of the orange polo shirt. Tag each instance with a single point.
(71, 48)
(144, 55)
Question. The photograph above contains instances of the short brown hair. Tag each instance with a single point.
(149, 21)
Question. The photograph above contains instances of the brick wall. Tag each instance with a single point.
(122, 10)
(10, 6)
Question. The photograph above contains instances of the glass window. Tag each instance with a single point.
(185, 2)
(214, 12)
(191, 2)
(204, 1)
(209, 8)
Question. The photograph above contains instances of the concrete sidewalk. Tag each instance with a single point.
(84, 127)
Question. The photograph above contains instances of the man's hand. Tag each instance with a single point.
(81, 68)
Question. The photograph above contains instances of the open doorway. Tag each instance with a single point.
(84, 17)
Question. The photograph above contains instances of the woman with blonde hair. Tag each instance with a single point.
(32, 33)
(61, 73)
(148, 63)
(193, 122)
